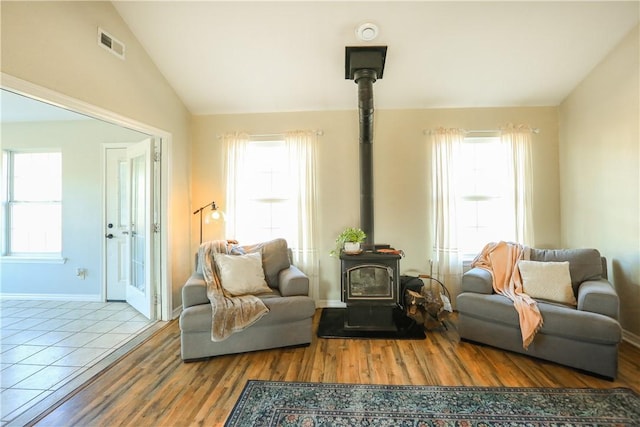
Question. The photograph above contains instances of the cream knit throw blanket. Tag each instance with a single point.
(501, 260)
(229, 313)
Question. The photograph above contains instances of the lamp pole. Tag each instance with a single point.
(199, 211)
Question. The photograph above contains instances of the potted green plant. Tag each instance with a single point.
(349, 240)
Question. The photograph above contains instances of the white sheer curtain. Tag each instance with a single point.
(235, 145)
(447, 255)
(303, 152)
(518, 142)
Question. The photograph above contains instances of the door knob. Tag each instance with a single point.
(109, 236)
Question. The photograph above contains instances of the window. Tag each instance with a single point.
(271, 193)
(481, 191)
(32, 203)
(265, 194)
(485, 207)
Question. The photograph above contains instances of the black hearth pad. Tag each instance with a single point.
(332, 326)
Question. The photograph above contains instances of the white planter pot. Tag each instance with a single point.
(351, 246)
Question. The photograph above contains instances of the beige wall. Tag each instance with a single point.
(54, 45)
(600, 164)
(401, 170)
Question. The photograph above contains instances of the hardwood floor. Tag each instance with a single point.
(151, 386)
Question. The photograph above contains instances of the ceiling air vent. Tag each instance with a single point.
(108, 42)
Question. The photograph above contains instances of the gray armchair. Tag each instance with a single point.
(585, 337)
(288, 322)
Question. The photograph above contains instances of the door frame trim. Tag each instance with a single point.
(43, 94)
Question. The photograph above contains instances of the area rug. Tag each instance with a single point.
(331, 325)
(269, 403)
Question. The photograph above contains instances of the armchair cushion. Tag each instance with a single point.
(281, 311)
(275, 257)
(584, 264)
(559, 320)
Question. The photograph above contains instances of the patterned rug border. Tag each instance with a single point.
(300, 410)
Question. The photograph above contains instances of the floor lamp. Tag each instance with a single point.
(214, 214)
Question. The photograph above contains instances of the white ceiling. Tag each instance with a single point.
(240, 57)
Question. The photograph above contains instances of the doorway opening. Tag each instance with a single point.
(150, 278)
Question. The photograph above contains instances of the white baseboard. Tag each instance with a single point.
(176, 312)
(330, 303)
(52, 297)
(632, 339)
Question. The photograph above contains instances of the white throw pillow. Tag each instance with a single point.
(241, 274)
(547, 280)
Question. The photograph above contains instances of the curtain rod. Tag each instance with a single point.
(430, 131)
(534, 130)
(318, 132)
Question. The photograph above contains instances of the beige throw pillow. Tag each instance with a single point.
(547, 280)
(241, 274)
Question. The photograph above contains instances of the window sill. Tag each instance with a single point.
(33, 260)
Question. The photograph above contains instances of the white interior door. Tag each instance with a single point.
(117, 223)
(139, 290)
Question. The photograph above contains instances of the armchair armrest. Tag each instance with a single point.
(477, 280)
(292, 281)
(194, 292)
(598, 296)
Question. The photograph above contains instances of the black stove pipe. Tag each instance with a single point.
(365, 79)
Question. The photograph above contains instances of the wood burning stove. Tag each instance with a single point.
(371, 289)
(370, 281)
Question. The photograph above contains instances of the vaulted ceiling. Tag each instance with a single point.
(241, 57)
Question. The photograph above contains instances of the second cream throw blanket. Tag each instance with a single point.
(229, 313)
(501, 260)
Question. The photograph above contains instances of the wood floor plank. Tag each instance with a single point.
(152, 386)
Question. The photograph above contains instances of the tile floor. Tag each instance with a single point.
(45, 344)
